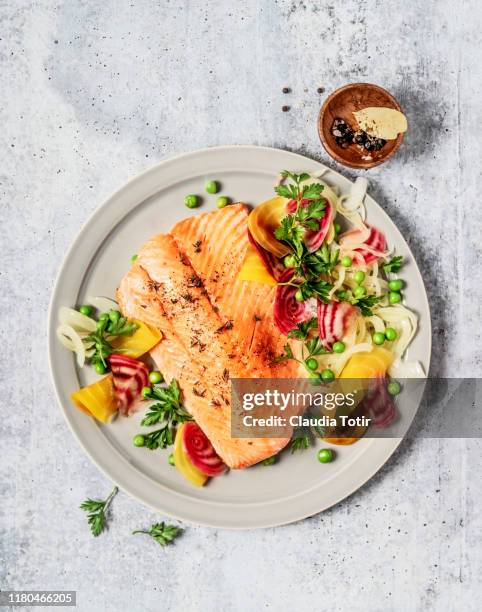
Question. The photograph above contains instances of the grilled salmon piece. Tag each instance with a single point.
(162, 289)
(215, 244)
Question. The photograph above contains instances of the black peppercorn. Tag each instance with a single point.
(285, 109)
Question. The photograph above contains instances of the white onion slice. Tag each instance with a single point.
(377, 322)
(406, 369)
(357, 194)
(71, 340)
(102, 303)
(75, 319)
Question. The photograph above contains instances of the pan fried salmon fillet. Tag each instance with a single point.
(210, 335)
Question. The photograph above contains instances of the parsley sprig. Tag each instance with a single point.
(310, 209)
(312, 346)
(365, 304)
(109, 326)
(97, 512)
(394, 265)
(301, 440)
(162, 533)
(167, 410)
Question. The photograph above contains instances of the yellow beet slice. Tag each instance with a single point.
(97, 400)
(368, 365)
(183, 464)
(263, 221)
(141, 341)
(254, 270)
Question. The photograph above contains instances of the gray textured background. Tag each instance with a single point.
(91, 93)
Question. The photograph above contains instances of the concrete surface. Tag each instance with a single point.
(91, 93)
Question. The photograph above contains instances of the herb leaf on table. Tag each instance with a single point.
(162, 533)
(97, 512)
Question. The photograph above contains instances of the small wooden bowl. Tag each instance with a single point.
(340, 105)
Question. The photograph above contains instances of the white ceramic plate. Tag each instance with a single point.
(298, 485)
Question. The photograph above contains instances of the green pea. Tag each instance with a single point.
(315, 375)
(346, 261)
(170, 459)
(222, 201)
(85, 310)
(395, 285)
(146, 392)
(299, 296)
(359, 276)
(339, 347)
(211, 187)
(341, 295)
(359, 292)
(155, 377)
(270, 460)
(311, 364)
(114, 316)
(139, 440)
(378, 338)
(325, 455)
(133, 259)
(394, 297)
(104, 316)
(337, 227)
(394, 387)
(391, 334)
(191, 201)
(289, 261)
(327, 375)
(99, 368)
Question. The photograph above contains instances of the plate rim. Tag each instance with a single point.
(386, 447)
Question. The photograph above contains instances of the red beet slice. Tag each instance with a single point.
(334, 320)
(129, 376)
(200, 451)
(287, 310)
(375, 240)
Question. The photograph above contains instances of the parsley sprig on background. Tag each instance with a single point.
(162, 533)
(97, 510)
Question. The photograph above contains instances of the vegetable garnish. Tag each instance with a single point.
(183, 464)
(162, 533)
(334, 321)
(129, 377)
(98, 512)
(394, 265)
(109, 326)
(168, 410)
(98, 400)
(300, 442)
(325, 455)
(200, 451)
